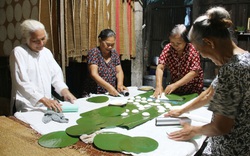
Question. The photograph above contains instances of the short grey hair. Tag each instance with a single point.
(180, 29)
(28, 26)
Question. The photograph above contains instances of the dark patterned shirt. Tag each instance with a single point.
(232, 99)
(180, 66)
(106, 70)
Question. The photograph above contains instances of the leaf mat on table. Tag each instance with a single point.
(57, 139)
(98, 99)
(138, 144)
(185, 98)
(147, 94)
(173, 98)
(108, 116)
(78, 130)
(100, 122)
(136, 119)
(90, 121)
(112, 122)
(104, 111)
(115, 119)
(111, 111)
(111, 141)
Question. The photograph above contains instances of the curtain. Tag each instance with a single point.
(48, 16)
(83, 20)
(86, 18)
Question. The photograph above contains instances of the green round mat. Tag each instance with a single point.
(109, 141)
(98, 99)
(111, 111)
(90, 121)
(138, 144)
(57, 139)
(78, 130)
(174, 97)
(111, 122)
(92, 113)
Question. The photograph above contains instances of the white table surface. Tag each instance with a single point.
(166, 146)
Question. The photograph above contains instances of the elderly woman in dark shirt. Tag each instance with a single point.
(105, 66)
(228, 96)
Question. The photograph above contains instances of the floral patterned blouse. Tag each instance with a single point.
(180, 66)
(106, 70)
(232, 99)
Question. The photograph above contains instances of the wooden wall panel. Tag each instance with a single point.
(160, 18)
(239, 11)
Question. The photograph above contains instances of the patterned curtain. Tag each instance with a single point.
(47, 16)
(86, 18)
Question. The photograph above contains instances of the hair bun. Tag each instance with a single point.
(219, 17)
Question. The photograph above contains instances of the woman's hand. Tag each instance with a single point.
(51, 104)
(170, 88)
(174, 113)
(157, 92)
(121, 88)
(112, 91)
(68, 96)
(187, 133)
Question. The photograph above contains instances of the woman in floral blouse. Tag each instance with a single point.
(183, 61)
(105, 66)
